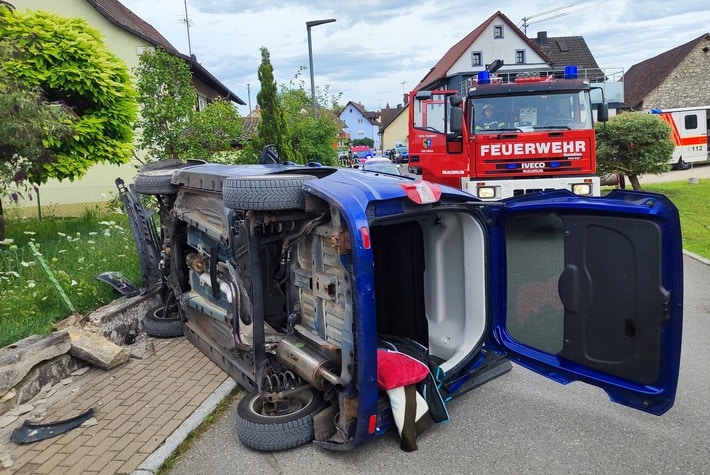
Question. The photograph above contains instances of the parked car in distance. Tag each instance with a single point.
(381, 165)
(401, 154)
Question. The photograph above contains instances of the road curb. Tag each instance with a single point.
(157, 458)
(696, 257)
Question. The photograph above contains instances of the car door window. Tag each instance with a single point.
(583, 288)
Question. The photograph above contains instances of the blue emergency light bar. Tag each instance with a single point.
(570, 72)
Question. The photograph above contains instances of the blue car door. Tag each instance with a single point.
(591, 289)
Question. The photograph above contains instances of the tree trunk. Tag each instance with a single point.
(2, 222)
(634, 180)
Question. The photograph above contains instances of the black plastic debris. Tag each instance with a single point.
(34, 432)
(119, 282)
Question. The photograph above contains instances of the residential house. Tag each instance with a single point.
(680, 77)
(499, 45)
(562, 51)
(127, 36)
(394, 126)
(360, 124)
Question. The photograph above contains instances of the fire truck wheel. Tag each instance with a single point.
(265, 192)
(271, 432)
(159, 324)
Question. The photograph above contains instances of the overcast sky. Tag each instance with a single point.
(379, 48)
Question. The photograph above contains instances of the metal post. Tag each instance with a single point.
(309, 24)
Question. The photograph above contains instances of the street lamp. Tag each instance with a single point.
(309, 24)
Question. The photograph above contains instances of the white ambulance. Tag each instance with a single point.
(690, 133)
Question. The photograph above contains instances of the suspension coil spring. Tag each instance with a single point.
(275, 382)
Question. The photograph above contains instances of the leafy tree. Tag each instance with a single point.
(66, 59)
(311, 139)
(634, 144)
(212, 130)
(272, 124)
(27, 123)
(67, 102)
(167, 98)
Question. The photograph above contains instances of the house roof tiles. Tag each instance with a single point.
(122, 17)
(642, 78)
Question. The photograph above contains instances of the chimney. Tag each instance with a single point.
(542, 38)
(405, 98)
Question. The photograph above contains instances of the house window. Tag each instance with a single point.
(519, 56)
(498, 31)
(201, 103)
(476, 58)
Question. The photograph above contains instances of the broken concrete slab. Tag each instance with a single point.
(96, 349)
(116, 319)
(17, 360)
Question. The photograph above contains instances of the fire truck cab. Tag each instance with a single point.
(690, 129)
(507, 139)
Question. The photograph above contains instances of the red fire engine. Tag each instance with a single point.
(507, 138)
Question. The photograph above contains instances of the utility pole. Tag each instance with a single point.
(249, 96)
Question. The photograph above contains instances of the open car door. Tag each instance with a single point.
(591, 289)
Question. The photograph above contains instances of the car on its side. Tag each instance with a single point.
(381, 165)
(328, 293)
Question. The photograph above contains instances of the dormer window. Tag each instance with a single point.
(497, 31)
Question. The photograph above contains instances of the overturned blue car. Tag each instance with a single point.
(333, 295)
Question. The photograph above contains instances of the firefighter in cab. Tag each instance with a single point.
(490, 119)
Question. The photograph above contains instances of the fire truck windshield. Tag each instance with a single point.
(531, 112)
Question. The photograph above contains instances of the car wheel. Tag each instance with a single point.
(265, 192)
(159, 324)
(269, 432)
(154, 178)
(155, 182)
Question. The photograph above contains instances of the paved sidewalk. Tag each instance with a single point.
(144, 409)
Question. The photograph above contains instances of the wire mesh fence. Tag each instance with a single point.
(60, 201)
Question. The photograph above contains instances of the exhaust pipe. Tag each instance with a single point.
(308, 363)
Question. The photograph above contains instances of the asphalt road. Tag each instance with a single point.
(520, 422)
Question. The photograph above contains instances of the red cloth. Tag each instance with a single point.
(396, 369)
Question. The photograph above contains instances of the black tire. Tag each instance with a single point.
(265, 192)
(681, 164)
(157, 325)
(155, 182)
(154, 178)
(271, 433)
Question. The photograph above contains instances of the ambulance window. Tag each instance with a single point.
(691, 122)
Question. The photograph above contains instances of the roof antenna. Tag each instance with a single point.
(186, 20)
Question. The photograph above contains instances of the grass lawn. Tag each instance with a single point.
(693, 202)
(70, 254)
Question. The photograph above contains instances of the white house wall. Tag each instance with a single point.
(496, 48)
